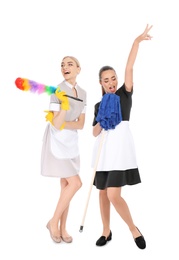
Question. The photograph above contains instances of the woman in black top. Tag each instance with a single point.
(117, 164)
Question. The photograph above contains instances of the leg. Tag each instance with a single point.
(70, 187)
(105, 216)
(64, 215)
(105, 211)
(114, 195)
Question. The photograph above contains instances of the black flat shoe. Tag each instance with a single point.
(140, 241)
(103, 240)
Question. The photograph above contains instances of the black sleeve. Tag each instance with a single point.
(96, 108)
(122, 90)
(125, 101)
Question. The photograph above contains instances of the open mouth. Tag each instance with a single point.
(112, 89)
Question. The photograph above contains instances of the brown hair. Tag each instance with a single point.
(104, 68)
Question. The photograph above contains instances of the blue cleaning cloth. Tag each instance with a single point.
(109, 114)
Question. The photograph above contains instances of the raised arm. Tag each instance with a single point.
(132, 57)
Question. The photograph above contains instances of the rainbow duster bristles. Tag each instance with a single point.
(33, 86)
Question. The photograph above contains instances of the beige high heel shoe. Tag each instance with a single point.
(67, 239)
(56, 239)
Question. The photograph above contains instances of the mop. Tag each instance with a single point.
(109, 115)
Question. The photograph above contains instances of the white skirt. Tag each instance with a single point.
(117, 150)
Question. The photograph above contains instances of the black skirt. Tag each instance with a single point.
(118, 178)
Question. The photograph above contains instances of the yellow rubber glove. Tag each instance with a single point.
(49, 116)
(64, 100)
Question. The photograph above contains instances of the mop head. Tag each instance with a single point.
(109, 114)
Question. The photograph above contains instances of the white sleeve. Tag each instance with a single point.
(54, 103)
(84, 110)
(54, 107)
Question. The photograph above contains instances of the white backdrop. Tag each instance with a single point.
(35, 36)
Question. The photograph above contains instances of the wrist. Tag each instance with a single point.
(136, 41)
(63, 126)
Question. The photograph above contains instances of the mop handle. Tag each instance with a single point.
(92, 180)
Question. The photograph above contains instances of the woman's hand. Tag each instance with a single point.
(145, 35)
(64, 100)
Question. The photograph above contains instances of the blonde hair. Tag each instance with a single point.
(73, 58)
